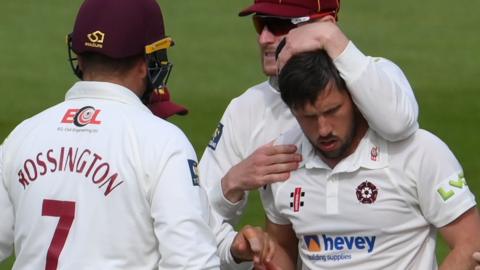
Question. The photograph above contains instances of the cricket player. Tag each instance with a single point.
(240, 156)
(98, 181)
(358, 201)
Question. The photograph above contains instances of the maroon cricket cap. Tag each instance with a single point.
(117, 28)
(161, 105)
(292, 8)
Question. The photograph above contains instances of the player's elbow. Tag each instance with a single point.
(399, 129)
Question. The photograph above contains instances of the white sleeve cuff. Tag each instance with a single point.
(351, 63)
(228, 210)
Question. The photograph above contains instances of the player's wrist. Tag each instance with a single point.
(231, 191)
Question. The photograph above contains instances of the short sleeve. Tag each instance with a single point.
(268, 202)
(442, 187)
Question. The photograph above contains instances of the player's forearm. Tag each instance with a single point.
(378, 85)
(230, 212)
(459, 258)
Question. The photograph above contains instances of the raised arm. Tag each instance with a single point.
(378, 87)
(228, 171)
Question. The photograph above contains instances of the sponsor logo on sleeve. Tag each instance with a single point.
(336, 248)
(216, 137)
(452, 187)
(192, 164)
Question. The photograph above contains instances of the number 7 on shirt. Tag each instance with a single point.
(65, 210)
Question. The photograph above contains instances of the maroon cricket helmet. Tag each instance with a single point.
(117, 28)
(292, 8)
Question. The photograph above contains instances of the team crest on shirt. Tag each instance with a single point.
(192, 164)
(297, 199)
(216, 137)
(374, 153)
(367, 192)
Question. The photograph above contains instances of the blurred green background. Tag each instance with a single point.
(216, 58)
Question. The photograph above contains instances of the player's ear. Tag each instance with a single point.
(328, 18)
(141, 68)
(80, 63)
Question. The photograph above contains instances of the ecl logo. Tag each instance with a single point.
(82, 117)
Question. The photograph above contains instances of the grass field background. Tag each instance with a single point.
(216, 59)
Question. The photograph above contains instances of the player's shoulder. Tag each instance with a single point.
(261, 93)
(257, 100)
(420, 143)
(154, 128)
(28, 125)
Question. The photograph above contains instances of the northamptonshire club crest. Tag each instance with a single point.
(367, 192)
(297, 196)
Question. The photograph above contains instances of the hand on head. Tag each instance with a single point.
(321, 34)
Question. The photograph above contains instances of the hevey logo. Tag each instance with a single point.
(87, 115)
(314, 243)
(96, 39)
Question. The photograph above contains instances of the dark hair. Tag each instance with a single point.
(305, 76)
(99, 63)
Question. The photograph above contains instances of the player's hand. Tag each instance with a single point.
(279, 261)
(268, 164)
(321, 34)
(253, 244)
(476, 257)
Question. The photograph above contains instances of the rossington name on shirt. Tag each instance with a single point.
(68, 159)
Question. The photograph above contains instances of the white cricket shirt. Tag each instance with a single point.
(378, 88)
(377, 209)
(99, 182)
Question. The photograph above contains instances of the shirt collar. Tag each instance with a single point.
(104, 90)
(371, 153)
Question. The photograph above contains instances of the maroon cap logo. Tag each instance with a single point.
(367, 192)
(96, 39)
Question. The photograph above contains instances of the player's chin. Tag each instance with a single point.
(269, 68)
